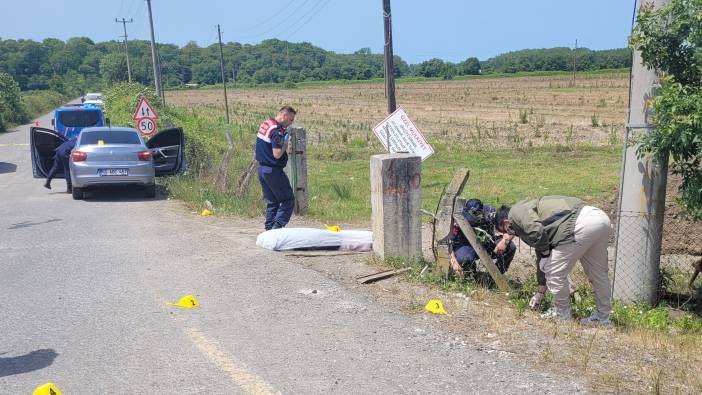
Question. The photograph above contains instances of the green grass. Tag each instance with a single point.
(497, 176)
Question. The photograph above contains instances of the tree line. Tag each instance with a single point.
(79, 64)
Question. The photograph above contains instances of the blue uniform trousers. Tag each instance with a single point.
(278, 196)
(466, 255)
(61, 160)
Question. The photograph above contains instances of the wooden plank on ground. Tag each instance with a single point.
(318, 254)
(485, 258)
(380, 275)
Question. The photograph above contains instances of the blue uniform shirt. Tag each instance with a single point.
(66, 147)
(270, 135)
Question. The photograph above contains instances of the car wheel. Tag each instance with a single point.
(150, 191)
(77, 193)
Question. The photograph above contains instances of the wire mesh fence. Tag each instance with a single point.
(674, 281)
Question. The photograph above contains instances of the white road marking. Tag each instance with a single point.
(14, 145)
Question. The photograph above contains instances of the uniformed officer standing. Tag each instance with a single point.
(271, 154)
(61, 157)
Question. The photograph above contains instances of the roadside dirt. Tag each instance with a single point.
(609, 360)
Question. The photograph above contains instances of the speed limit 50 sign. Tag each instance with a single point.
(146, 126)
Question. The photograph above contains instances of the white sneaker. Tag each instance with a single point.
(552, 314)
(595, 319)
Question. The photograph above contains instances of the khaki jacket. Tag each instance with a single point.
(546, 222)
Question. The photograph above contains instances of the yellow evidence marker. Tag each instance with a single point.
(47, 389)
(435, 306)
(188, 302)
(101, 142)
(333, 228)
(206, 212)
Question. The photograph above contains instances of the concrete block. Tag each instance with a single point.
(396, 202)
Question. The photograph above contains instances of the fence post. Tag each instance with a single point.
(297, 170)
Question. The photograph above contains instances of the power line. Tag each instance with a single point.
(266, 30)
(312, 15)
(272, 16)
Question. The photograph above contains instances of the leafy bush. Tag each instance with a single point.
(36, 103)
(670, 41)
(11, 110)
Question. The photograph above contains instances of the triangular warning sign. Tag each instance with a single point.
(144, 110)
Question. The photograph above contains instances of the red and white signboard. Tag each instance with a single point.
(144, 110)
(146, 126)
(403, 135)
(145, 117)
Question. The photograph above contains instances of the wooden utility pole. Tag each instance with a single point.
(389, 66)
(126, 49)
(221, 65)
(575, 55)
(154, 60)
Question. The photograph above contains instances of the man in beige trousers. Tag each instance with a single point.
(562, 230)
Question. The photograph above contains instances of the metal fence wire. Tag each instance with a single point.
(680, 258)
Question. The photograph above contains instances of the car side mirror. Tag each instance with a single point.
(53, 122)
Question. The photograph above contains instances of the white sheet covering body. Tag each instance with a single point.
(298, 238)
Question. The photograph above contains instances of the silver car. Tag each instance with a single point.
(112, 156)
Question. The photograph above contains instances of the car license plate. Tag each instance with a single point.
(113, 172)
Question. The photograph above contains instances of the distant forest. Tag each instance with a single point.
(79, 64)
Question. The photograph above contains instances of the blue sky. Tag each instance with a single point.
(448, 29)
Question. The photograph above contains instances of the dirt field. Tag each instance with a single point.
(494, 111)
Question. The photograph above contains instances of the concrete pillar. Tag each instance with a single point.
(396, 202)
(641, 197)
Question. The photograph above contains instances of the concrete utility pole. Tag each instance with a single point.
(221, 65)
(157, 74)
(126, 49)
(641, 196)
(389, 62)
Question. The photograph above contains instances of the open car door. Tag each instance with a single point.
(167, 148)
(43, 143)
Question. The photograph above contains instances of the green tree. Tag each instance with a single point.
(113, 68)
(470, 66)
(11, 111)
(670, 40)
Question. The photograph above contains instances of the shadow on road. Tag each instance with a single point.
(27, 224)
(35, 360)
(7, 167)
(120, 194)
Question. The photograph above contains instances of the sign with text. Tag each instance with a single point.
(402, 135)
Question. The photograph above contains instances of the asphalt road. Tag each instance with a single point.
(84, 287)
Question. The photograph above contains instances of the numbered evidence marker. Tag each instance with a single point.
(187, 302)
(333, 228)
(206, 212)
(435, 306)
(47, 389)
